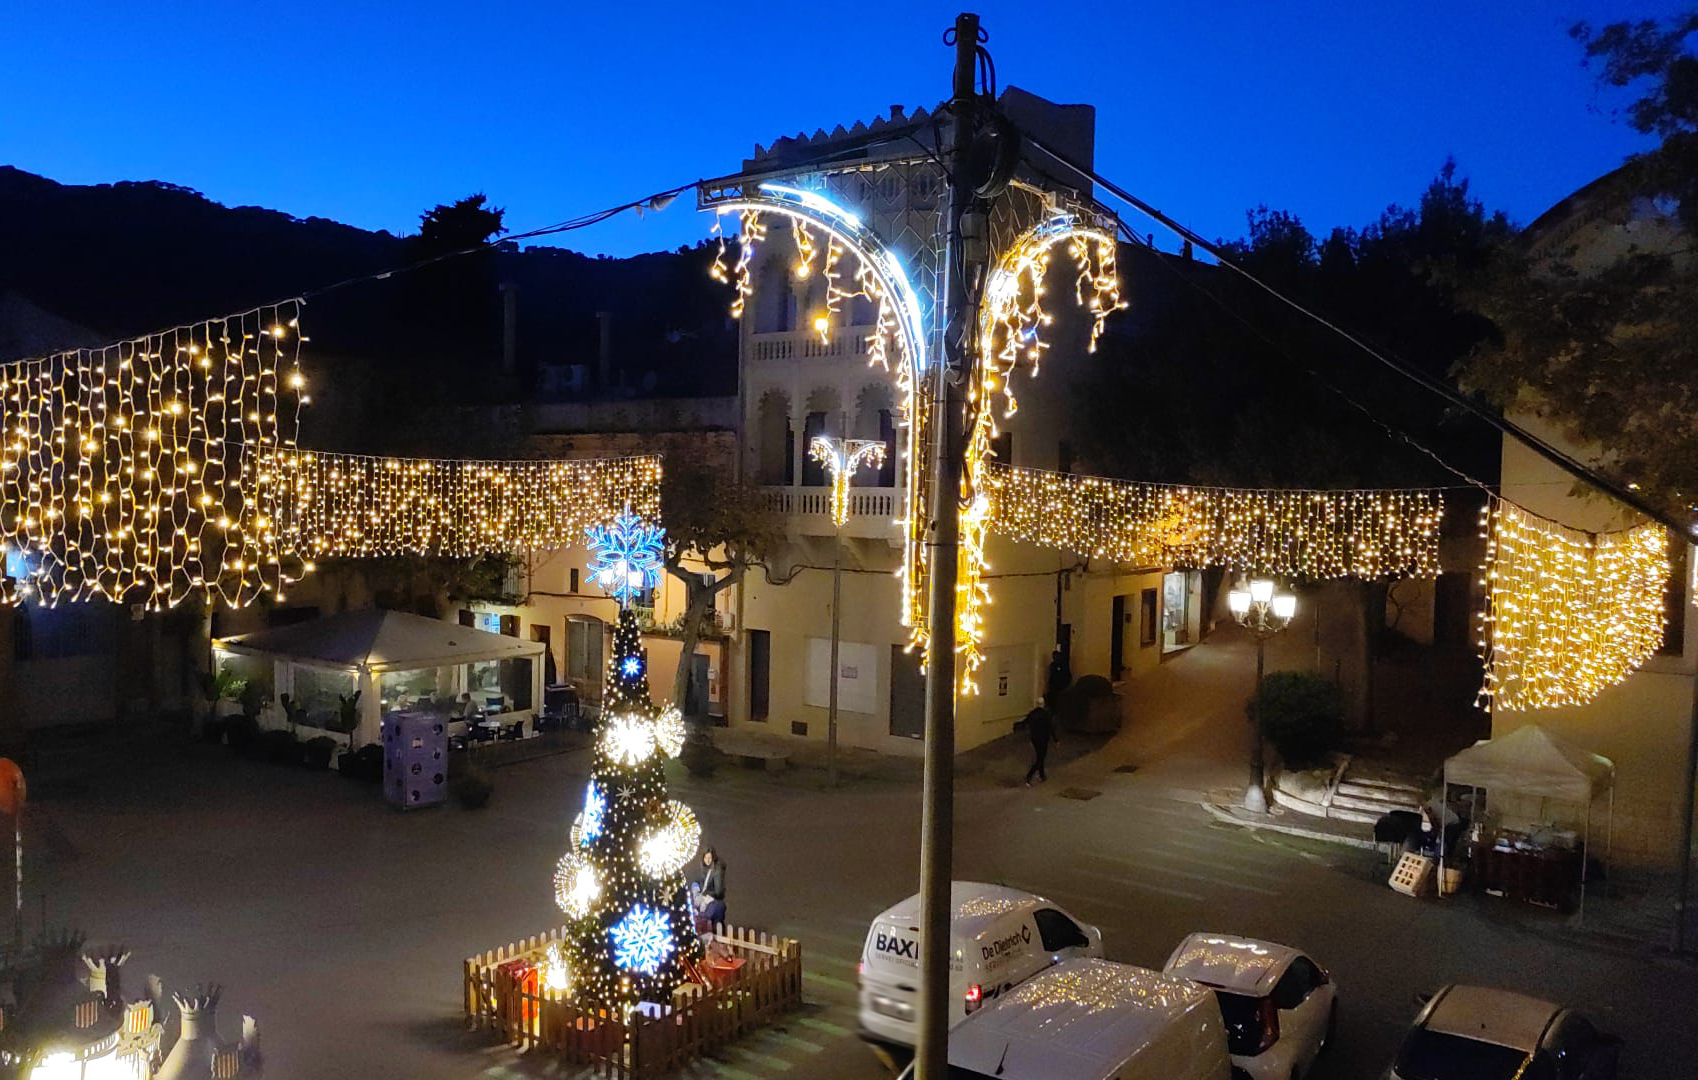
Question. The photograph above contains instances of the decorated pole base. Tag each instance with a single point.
(747, 980)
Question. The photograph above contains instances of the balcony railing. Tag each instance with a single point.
(806, 344)
(872, 511)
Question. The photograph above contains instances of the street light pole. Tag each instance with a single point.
(841, 457)
(1259, 610)
(948, 372)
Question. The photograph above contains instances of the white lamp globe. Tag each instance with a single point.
(1261, 590)
(1238, 601)
(1284, 606)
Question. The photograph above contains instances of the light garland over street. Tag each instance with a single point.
(128, 472)
(352, 505)
(1567, 613)
(1366, 534)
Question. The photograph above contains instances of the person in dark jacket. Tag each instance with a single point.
(1058, 681)
(1040, 727)
(713, 887)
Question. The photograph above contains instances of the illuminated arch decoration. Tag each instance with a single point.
(131, 472)
(897, 344)
(1010, 333)
(1567, 613)
(1012, 318)
(354, 505)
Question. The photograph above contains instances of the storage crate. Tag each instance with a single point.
(1413, 875)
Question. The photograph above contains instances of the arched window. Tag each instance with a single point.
(775, 450)
(774, 303)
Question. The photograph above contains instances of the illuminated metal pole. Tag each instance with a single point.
(949, 372)
(1264, 614)
(841, 457)
(1684, 870)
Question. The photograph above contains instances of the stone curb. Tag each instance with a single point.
(1221, 813)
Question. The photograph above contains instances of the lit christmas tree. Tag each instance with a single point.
(630, 934)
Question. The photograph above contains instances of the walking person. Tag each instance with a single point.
(1040, 727)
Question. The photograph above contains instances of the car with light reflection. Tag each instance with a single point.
(1094, 1019)
(998, 938)
(1480, 1033)
(1280, 1007)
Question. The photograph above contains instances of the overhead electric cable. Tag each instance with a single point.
(1557, 457)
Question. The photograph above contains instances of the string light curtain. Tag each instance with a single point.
(1567, 613)
(128, 472)
(352, 505)
(1365, 534)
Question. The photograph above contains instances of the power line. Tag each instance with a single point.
(1508, 427)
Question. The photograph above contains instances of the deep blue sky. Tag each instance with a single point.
(368, 113)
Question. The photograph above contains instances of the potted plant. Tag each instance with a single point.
(216, 686)
(318, 752)
(347, 720)
(280, 747)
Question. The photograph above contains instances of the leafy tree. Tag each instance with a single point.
(716, 522)
(1608, 351)
(456, 226)
(1302, 714)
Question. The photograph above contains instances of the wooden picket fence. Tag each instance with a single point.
(649, 1042)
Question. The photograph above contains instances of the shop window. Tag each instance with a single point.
(500, 685)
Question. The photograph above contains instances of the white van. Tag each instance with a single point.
(999, 937)
(1094, 1019)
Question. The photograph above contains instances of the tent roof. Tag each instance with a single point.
(383, 641)
(1532, 760)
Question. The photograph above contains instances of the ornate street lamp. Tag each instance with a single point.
(1264, 613)
(841, 457)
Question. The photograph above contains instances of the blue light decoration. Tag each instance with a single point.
(628, 556)
(631, 667)
(595, 809)
(642, 940)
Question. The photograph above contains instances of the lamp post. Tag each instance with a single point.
(1264, 613)
(841, 457)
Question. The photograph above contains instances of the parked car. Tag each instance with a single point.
(1094, 1019)
(1280, 1007)
(1477, 1033)
(1002, 935)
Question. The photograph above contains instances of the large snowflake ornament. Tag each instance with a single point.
(628, 556)
(642, 940)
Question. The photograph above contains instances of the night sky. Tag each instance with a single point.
(368, 113)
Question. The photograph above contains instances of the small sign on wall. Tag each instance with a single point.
(857, 675)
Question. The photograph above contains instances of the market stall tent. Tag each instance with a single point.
(364, 647)
(1530, 761)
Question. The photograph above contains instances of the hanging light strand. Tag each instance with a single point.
(126, 472)
(1567, 613)
(1366, 534)
(352, 505)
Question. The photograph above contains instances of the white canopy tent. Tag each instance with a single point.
(1532, 762)
(392, 655)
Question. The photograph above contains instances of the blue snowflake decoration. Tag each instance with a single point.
(629, 555)
(642, 940)
(631, 667)
(595, 808)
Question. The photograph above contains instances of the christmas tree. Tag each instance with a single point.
(630, 934)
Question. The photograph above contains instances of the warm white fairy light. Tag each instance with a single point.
(669, 732)
(1360, 533)
(556, 972)
(576, 884)
(1013, 317)
(128, 472)
(841, 458)
(668, 845)
(356, 505)
(1567, 613)
(627, 738)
